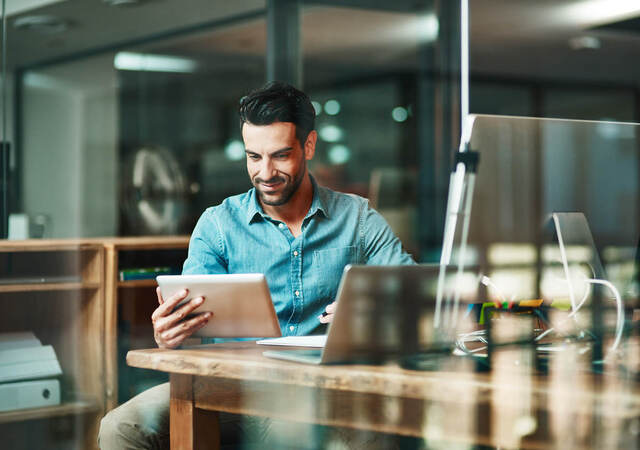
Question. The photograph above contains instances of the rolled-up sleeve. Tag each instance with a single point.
(206, 247)
(381, 245)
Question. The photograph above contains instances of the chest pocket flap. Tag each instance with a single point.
(328, 265)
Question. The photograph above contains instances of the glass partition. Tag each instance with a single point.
(386, 82)
(550, 200)
(531, 168)
(562, 59)
(119, 120)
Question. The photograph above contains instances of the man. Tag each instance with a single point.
(300, 235)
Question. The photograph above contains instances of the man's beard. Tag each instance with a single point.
(288, 191)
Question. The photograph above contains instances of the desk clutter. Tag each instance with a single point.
(28, 372)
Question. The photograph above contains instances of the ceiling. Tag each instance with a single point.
(531, 39)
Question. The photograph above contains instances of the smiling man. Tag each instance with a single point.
(299, 234)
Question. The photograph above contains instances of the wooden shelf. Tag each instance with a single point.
(65, 409)
(137, 283)
(46, 245)
(39, 287)
(144, 242)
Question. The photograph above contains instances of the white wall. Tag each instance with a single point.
(70, 148)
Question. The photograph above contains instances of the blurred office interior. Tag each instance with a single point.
(93, 87)
(119, 118)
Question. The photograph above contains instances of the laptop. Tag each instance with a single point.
(384, 313)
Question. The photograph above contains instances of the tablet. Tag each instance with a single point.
(241, 303)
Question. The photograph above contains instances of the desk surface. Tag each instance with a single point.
(481, 407)
(244, 360)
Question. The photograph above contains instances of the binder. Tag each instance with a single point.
(29, 394)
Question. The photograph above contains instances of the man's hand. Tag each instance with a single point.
(169, 328)
(327, 315)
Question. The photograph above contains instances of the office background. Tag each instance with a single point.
(83, 105)
(119, 116)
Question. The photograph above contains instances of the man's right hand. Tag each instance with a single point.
(169, 328)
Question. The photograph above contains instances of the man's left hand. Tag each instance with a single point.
(329, 311)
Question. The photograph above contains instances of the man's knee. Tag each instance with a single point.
(111, 435)
(119, 432)
(140, 423)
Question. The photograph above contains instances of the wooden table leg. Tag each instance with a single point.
(190, 427)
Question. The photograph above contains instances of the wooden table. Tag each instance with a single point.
(454, 404)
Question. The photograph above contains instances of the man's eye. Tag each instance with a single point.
(254, 157)
(282, 156)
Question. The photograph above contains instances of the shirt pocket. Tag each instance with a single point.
(328, 266)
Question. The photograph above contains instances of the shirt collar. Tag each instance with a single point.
(254, 209)
(319, 203)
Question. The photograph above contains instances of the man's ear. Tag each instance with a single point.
(310, 145)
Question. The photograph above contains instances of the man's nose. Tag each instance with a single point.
(267, 169)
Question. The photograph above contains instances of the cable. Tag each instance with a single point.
(487, 282)
(619, 313)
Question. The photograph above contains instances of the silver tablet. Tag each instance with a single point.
(241, 303)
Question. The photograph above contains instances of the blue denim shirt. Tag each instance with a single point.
(303, 272)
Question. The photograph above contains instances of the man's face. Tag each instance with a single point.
(276, 162)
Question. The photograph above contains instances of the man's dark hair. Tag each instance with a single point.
(279, 102)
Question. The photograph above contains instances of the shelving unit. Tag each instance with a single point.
(69, 315)
(137, 283)
(66, 409)
(48, 287)
(129, 305)
(69, 294)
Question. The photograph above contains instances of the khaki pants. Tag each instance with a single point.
(143, 423)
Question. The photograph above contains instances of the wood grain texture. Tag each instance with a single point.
(111, 326)
(38, 245)
(134, 292)
(244, 361)
(43, 287)
(65, 409)
(79, 318)
(452, 405)
(67, 315)
(141, 242)
(191, 427)
(138, 283)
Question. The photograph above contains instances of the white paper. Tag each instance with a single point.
(316, 341)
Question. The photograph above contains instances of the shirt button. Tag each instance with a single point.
(297, 293)
(295, 253)
(280, 225)
(291, 328)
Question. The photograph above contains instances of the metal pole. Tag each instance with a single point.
(284, 59)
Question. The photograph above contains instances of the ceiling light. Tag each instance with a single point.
(153, 63)
(399, 114)
(122, 2)
(589, 12)
(428, 27)
(234, 150)
(423, 28)
(41, 24)
(332, 107)
(330, 133)
(339, 154)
